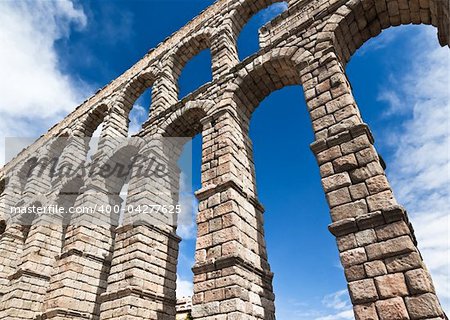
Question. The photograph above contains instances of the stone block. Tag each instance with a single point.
(336, 181)
(391, 285)
(419, 281)
(392, 247)
(423, 306)
(358, 191)
(392, 230)
(363, 291)
(404, 262)
(346, 242)
(353, 257)
(392, 309)
(349, 210)
(381, 201)
(365, 237)
(375, 268)
(365, 312)
(345, 163)
(338, 197)
(354, 273)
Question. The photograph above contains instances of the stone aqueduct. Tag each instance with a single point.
(94, 272)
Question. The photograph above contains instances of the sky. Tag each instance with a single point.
(55, 54)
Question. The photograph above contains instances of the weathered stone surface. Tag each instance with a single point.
(377, 184)
(349, 210)
(365, 237)
(353, 256)
(346, 242)
(365, 312)
(391, 285)
(381, 201)
(392, 309)
(354, 273)
(419, 281)
(365, 173)
(336, 181)
(103, 272)
(375, 268)
(338, 197)
(423, 306)
(358, 191)
(345, 163)
(392, 230)
(363, 291)
(385, 249)
(403, 262)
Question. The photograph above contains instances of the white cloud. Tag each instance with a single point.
(333, 306)
(185, 288)
(138, 115)
(187, 227)
(420, 168)
(274, 10)
(339, 303)
(34, 92)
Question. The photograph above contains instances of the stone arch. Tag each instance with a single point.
(66, 198)
(185, 51)
(27, 219)
(91, 120)
(186, 121)
(243, 11)
(120, 104)
(269, 72)
(23, 175)
(120, 164)
(357, 21)
(75, 145)
(137, 85)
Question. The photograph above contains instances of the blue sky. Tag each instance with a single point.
(67, 50)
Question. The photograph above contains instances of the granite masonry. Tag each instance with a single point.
(75, 267)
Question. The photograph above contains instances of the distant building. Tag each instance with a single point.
(184, 308)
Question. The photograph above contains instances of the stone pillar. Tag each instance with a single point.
(36, 180)
(11, 243)
(29, 283)
(70, 162)
(386, 276)
(165, 90)
(83, 266)
(224, 53)
(115, 128)
(232, 278)
(11, 240)
(39, 181)
(142, 281)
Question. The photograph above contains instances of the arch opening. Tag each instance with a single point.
(138, 98)
(66, 199)
(27, 219)
(185, 128)
(140, 112)
(365, 21)
(195, 73)
(25, 173)
(92, 129)
(247, 32)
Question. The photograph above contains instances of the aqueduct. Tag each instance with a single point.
(127, 270)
